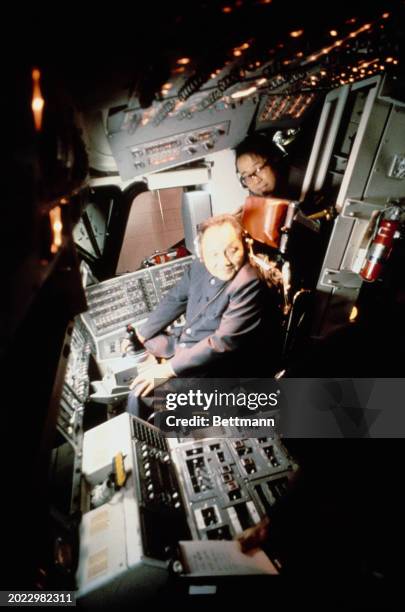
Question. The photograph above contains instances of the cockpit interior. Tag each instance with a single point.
(127, 131)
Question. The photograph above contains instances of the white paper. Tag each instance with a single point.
(223, 558)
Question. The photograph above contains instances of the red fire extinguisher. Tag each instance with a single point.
(381, 244)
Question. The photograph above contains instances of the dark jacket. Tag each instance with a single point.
(223, 319)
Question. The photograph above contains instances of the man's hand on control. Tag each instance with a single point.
(127, 344)
(140, 337)
(149, 374)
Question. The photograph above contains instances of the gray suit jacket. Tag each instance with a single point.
(221, 317)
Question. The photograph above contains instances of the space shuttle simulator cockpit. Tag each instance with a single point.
(292, 136)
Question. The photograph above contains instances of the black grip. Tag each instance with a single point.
(134, 338)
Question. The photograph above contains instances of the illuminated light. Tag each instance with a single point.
(257, 64)
(343, 74)
(280, 46)
(227, 9)
(299, 54)
(355, 69)
(286, 62)
(63, 201)
(353, 314)
(237, 52)
(342, 82)
(179, 70)
(245, 46)
(262, 81)
(389, 60)
(395, 62)
(382, 67)
(352, 20)
(183, 61)
(56, 226)
(167, 86)
(353, 34)
(323, 73)
(38, 102)
(370, 72)
(296, 33)
(312, 58)
(337, 43)
(213, 75)
(243, 93)
(385, 15)
(351, 79)
(333, 33)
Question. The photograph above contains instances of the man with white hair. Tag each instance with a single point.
(227, 308)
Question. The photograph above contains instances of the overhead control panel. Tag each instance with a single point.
(179, 148)
(178, 139)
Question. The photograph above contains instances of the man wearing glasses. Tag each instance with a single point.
(262, 168)
(273, 182)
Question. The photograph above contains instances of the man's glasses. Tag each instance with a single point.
(245, 179)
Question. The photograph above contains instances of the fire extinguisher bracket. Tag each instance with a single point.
(359, 209)
(337, 279)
